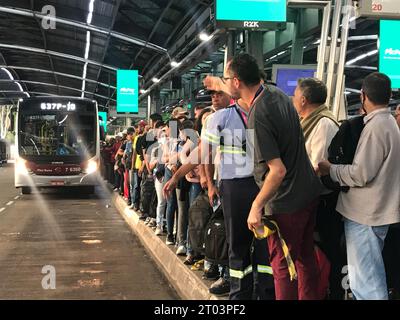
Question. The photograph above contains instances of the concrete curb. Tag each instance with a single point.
(186, 282)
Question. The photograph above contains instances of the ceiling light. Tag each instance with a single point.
(87, 45)
(175, 64)
(363, 56)
(91, 9)
(205, 37)
(143, 91)
(155, 80)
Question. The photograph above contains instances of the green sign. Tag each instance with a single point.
(103, 121)
(253, 14)
(389, 51)
(127, 91)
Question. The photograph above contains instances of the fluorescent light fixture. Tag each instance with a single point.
(91, 9)
(87, 45)
(205, 37)
(175, 64)
(21, 100)
(155, 80)
(367, 37)
(363, 56)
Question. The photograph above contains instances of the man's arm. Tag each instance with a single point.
(275, 176)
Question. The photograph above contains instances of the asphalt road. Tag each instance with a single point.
(58, 245)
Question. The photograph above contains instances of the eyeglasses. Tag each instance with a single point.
(224, 79)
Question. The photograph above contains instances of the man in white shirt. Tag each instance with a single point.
(319, 127)
(373, 201)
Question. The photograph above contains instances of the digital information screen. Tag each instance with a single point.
(380, 9)
(252, 14)
(103, 116)
(286, 77)
(389, 50)
(127, 91)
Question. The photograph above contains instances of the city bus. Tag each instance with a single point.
(3, 152)
(57, 143)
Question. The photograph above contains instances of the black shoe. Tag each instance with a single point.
(129, 203)
(212, 273)
(143, 217)
(220, 287)
(170, 240)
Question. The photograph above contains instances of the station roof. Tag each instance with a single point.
(122, 34)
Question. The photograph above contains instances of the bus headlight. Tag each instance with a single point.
(20, 166)
(91, 167)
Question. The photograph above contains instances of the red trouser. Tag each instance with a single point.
(126, 184)
(297, 229)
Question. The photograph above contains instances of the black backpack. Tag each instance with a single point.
(199, 214)
(216, 245)
(343, 148)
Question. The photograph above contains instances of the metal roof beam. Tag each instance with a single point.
(67, 75)
(121, 36)
(56, 54)
(55, 85)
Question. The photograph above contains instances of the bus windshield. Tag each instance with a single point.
(60, 134)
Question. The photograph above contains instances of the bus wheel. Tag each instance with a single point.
(26, 190)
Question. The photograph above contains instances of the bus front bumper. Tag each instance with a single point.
(32, 180)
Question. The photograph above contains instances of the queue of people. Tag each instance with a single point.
(302, 198)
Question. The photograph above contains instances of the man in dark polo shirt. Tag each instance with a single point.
(289, 187)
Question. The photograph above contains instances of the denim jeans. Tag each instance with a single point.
(195, 189)
(161, 202)
(171, 204)
(135, 187)
(183, 217)
(367, 274)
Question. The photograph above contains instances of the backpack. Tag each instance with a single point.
(216, 245)
(343, 148)
(199, 214)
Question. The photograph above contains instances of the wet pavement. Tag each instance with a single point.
(82, 240)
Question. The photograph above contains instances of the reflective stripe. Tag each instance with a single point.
(232, 150)
(264, 269)
(212, 138)
(240, 274)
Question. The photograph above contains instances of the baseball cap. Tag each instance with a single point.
(179, 111)
(142, 123)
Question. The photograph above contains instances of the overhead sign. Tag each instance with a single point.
(389, 51)
(250, 14)
(103, 121)
(380, 9)
(127, 91)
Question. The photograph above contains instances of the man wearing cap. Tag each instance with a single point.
(180, 114)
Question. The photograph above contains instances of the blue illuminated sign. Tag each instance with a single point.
(103, 116)
(389, 51)
(127, 91)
